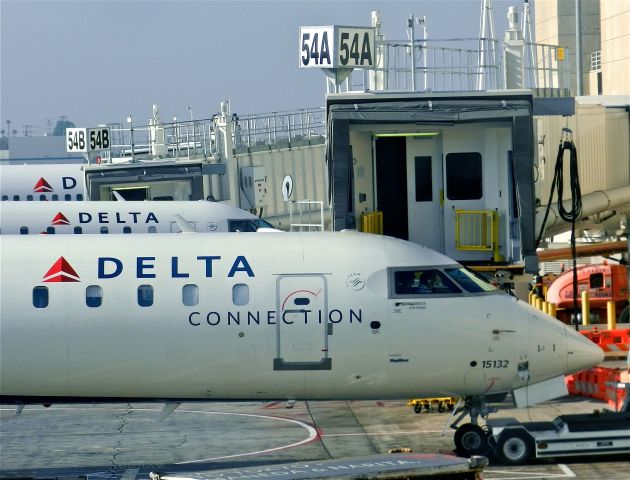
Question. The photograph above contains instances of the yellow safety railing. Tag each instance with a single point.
(372, 222)
(477, 230)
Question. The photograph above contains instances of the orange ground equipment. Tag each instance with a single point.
(603, 283)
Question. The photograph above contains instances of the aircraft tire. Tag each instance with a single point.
(471, 439)
(417, 408)
(514, 447)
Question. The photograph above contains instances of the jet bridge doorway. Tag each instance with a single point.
(408, 185)
(452, 171)
(131, 193)
(391, 188)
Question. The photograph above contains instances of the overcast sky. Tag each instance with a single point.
(98, 61)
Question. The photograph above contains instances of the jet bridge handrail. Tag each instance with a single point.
(199, 138)
(477, 230)
(454, 65)
(278, 130)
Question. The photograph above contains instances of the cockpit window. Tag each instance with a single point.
(248, 224)
(423, 282)
(469, 280)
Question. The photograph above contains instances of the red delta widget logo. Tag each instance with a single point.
(60, 219)
(42, 186)
(61, 271)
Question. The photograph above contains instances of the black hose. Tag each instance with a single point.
(574, 213)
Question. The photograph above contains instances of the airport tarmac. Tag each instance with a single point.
(118, 441)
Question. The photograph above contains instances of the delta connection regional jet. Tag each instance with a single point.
(261, 316)
(125, 217)
(48, 182)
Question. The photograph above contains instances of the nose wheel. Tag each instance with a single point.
(470, 438)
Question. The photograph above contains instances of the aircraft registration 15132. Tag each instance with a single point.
(262, 316)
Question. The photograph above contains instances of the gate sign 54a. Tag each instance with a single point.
(87, 139)
(337, 47)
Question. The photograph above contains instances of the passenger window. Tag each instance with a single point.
(29, 198)
(104, 230)
(5, 197)
(67, 197)
(126, 229)
(145, 295)
(240, 294)
(423, 282)
(55, 197)
(78, 230)
(597, 280)
(424, 179)
(23, 230)
(471, 281)
(79, 196)
(50, 230)
(463, 176)
(93, 296)
(40, 297)
(16, 197)
(190, 295)
(42, 198)
(152, 229)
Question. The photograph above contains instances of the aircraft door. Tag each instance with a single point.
(463, 190)
(302, 323)
(425, 191)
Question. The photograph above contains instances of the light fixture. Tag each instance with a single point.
(406, 134)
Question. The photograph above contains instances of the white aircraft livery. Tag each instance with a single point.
(125, 217)
(233, 316)
(47, 182)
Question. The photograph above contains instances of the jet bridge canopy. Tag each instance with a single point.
(441, 115)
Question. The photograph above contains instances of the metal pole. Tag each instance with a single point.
(423, 22)
(482, 54)
(578, 47)
(130, 121)
(410, 23)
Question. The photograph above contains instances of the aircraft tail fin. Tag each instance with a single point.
(183, 224)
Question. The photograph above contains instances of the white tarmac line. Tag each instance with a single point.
(566, 473)
(373, 434)
(312, 435)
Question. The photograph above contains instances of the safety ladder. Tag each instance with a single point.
(304, 213)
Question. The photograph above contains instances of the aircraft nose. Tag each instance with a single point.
(581, 352)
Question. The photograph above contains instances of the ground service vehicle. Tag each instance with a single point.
(597, 433)
(603, 282)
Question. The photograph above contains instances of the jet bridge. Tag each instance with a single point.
(452, 171)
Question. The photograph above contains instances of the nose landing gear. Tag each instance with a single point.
(470, 438)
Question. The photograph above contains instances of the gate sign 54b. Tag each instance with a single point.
(87, 139)
(337, 47)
